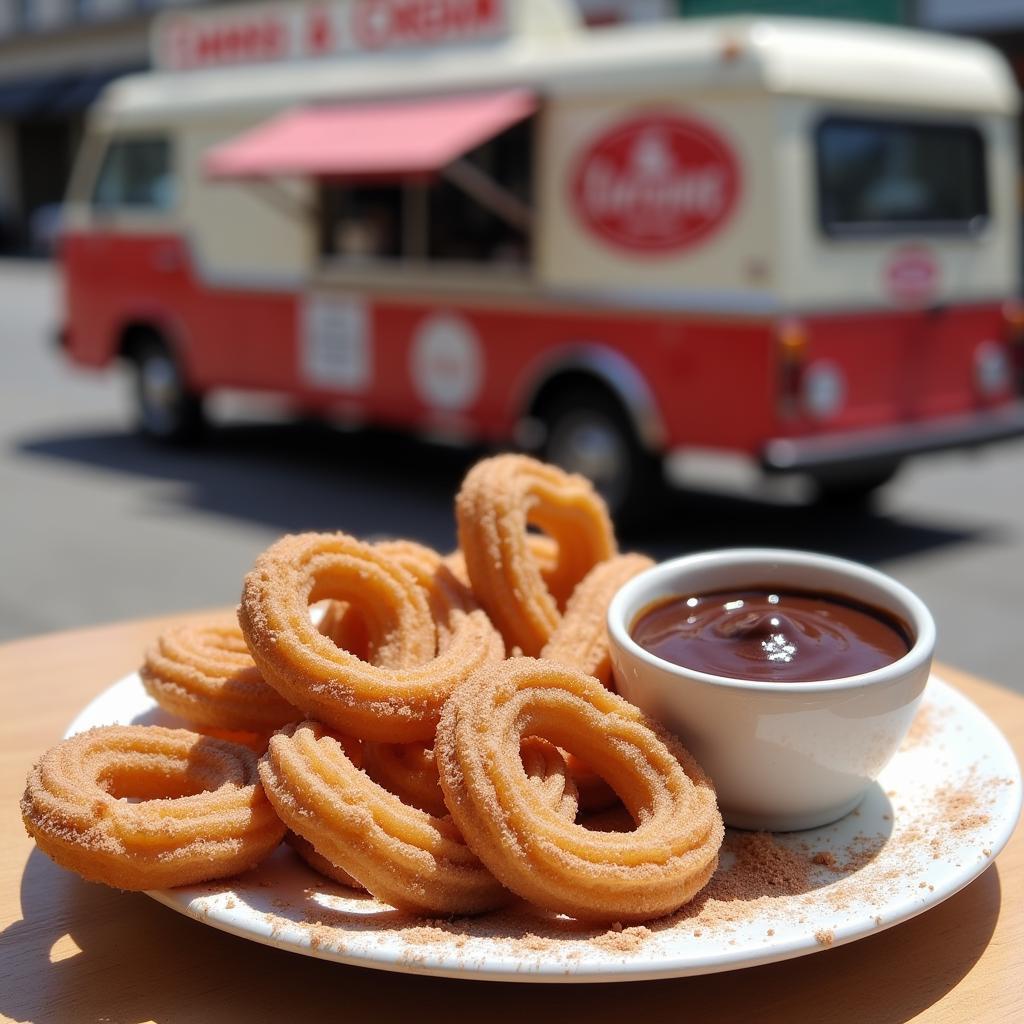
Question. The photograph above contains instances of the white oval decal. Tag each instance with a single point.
(447, 362)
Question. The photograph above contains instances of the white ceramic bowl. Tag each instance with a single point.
(783, 756)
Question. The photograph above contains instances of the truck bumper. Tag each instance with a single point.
(824, 452)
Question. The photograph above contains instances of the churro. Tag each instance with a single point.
(397, 696)
(200, 814)
(203, 672)
(500, 499)
(554, 863)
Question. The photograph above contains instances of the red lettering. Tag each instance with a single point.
(375, 25)
(238, 42)
(383, 23)
(179, 47)
(319, 32)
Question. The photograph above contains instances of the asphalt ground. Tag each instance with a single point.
(97, 525)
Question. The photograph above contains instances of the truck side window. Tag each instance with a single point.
(887, 177)
(463, 229)
(136, 173)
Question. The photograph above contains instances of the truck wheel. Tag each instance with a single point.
(859, 487)
(588, 432)
(167, 410)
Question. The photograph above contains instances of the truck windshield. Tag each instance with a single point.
(889, 177)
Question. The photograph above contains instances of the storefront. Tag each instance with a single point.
(56, 56)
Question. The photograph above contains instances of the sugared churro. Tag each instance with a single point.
(597, 876)
(204, 673)
(500, 499)
(581, 638)
(397, 698)
(201, 812)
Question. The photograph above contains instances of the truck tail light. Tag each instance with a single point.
(1013, 318)
(791, 341)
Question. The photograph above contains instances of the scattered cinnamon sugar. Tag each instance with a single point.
(428, 935)
(825, 858)
(762, 867)
(624, 940)
(825, 937)
(860, 852)
(922, 728)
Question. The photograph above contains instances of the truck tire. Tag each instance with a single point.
(166, 409)
(588, 432)
(857, 488)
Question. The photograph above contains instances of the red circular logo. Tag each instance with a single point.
(911, 276)
(656, 184)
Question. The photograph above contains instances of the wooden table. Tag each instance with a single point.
(72, 951)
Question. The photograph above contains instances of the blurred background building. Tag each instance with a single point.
(55, 58)
(57, 55)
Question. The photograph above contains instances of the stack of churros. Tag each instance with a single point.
(438, 738)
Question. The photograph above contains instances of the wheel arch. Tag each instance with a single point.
(134, 331)
(597, 364)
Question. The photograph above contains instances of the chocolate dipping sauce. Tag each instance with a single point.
(771, 635)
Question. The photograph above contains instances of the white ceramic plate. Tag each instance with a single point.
(943, 808)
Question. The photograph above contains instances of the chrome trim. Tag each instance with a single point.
(828, 451)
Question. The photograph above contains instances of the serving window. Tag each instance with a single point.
(475, 210)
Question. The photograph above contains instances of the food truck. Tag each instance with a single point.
(792, 241)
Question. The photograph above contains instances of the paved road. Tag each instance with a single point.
(96, 525)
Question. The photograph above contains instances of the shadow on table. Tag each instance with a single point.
(307, 476)
(135, 960)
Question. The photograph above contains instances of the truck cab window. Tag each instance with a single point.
(888, 177)
(136, 173)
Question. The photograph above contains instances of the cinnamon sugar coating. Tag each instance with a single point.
(413, 860)
(395, 697)
(500, 499)
(342, 622)
(204, 673)
(202, 813)
(580, 640)
(404, 856)
(595, 876)
(307, 851)
(409, 771)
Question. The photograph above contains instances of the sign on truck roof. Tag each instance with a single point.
(269, 56)
(293, 30)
